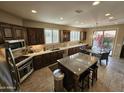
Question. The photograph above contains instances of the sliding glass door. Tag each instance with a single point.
(103, 40)
(97, 40)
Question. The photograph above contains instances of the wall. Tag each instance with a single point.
(9, 18)
(29, 23)
(118, 39)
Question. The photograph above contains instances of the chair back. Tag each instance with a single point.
(105, 55)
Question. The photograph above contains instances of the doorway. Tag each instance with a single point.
(104, 40)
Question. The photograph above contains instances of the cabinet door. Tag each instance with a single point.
(8, 34)
(84, 35)
(38, 62)
(18, 32)
(66, 35)
(1, 36)
(31, 36)
(40, 36)
(7, 31)
(70, 51)
(35, 36)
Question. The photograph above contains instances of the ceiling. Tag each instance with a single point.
(51, 11)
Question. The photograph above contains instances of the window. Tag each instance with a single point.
(51, 35)
(74, 36)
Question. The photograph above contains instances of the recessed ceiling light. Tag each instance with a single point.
(61, 18)
(111, 17)
(96, 3)
(108, 14)
(33, 11)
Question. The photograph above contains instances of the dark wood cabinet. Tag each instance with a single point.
(11, 32)
(122, 52)
(84, 35)
(1, 36)
(35, 36)
(7, 30)
(44, 60)
(18, 32)
(74, 50)
(66, 35)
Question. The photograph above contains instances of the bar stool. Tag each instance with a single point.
(85, 80)
(93, 76)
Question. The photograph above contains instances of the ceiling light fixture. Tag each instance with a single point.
(111, 17)
(96, 3)
(108, 14)
(61, 18)
(34, 11)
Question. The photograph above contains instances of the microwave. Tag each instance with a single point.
(15, 44)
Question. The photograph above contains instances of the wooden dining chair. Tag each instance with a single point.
(104, 56)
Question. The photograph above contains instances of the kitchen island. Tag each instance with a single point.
(75, 65)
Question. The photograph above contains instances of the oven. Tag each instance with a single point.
(25, 70)
(23, 63)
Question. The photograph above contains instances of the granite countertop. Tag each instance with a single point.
(49, 51)
(78, 62)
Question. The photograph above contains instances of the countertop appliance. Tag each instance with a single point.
(23, 64)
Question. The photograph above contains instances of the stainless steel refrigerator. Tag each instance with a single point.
(8, 79)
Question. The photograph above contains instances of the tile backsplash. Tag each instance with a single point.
(37, 48)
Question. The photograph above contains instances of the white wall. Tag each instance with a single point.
(29, 23)
(8, 18)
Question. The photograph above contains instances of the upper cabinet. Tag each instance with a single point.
(83, 35)
(18, 32)
(10, 32)
(1, 36)
(66, 35)
(35, 36)
(7, 31)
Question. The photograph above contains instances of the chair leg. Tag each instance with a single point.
(88, 82)
(92, 78)
(106, 61)
(100, 62)
(96, 74)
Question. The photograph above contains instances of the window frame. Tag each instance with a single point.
(75, 36)
(52, 31)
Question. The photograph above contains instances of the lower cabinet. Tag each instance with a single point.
(47, 59)
(74, 50)
(44, 60)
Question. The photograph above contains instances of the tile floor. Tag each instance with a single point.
(110, 78)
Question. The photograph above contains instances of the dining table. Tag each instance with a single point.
(75, 65)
